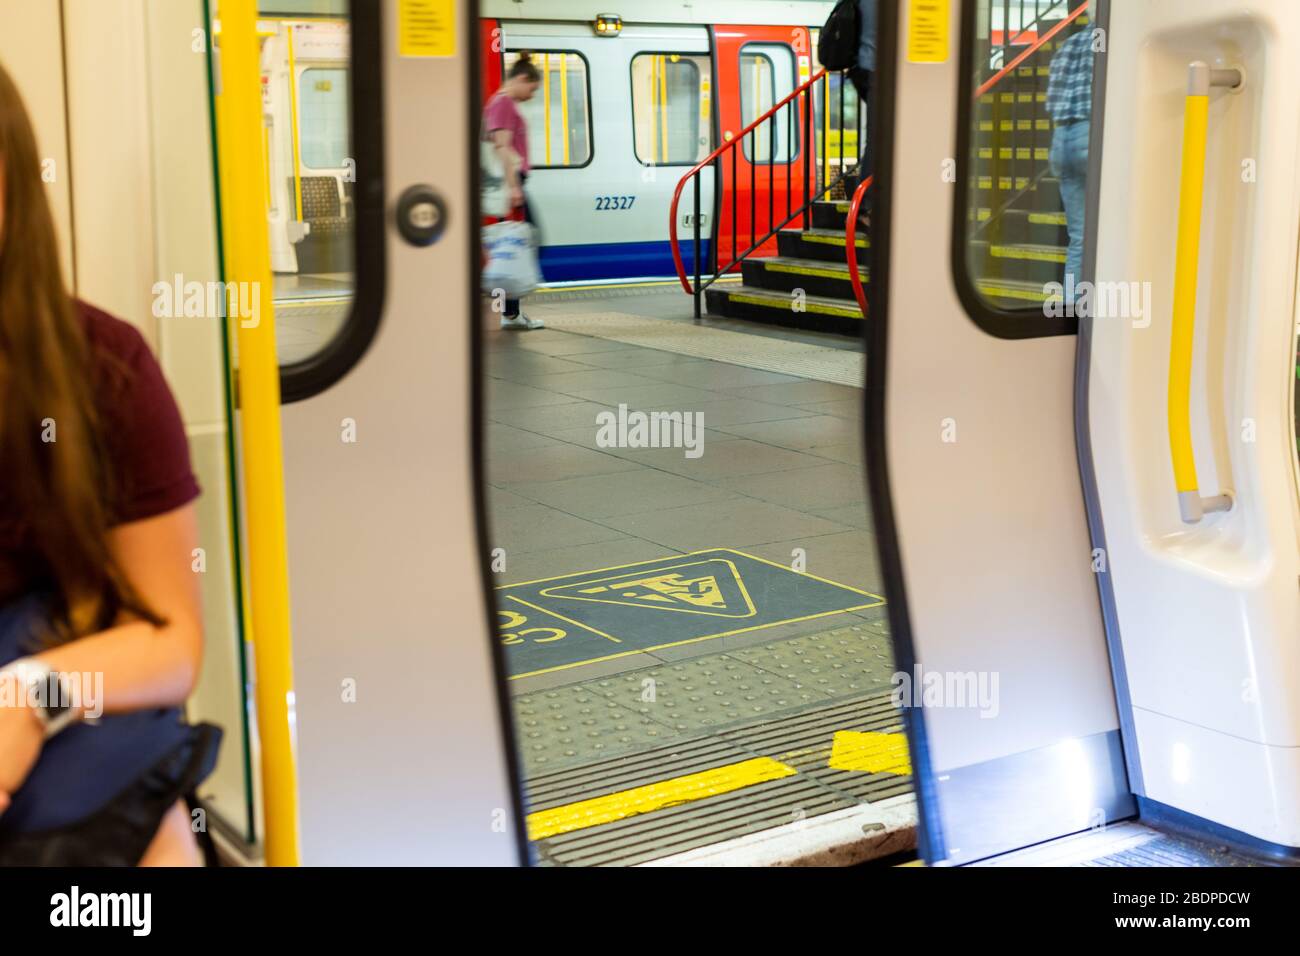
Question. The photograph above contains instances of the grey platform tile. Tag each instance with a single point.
(586, 437)
(824, 486)
(621, 493)
(506, 438)
(704, 373)
(549, 419)
(565, 726)
(700, 695)
(853, 515)
(583, 674)
(518, 364)
(539, 528)
(851, 453)
(498, 499)
(662, 396)
(565, 344)
(721, 459)
(632, 358)
(764, 635)
(735, 411)
(842, 407)
(798, 393)
(552, 463)
(723, 524)
(800, 434)
(851, 558)
(573, 383)
(554, 562)
(503, 395)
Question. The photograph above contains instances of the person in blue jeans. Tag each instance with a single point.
(862, 75)
(1069, 102)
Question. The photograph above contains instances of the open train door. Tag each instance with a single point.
(758, 67)
(975, 482)
(1192, 400)
(1094, 629)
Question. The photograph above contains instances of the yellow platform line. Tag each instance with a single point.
(655, 796)
(870, 752)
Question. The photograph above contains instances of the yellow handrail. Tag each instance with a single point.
(293, 125)
(546, 102)
(247, 254)
(564, 103)
(1196, 121)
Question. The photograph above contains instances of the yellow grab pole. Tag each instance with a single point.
(546, 102)
(564, 103)
(293, 121)
(663, 105)
(247, 258)
(654, 109)
(1196, 121)
(826, 129)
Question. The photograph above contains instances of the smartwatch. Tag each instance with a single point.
(50, 693)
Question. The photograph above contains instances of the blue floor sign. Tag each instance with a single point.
(577, 619)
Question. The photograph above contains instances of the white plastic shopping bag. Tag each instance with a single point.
(511, 248)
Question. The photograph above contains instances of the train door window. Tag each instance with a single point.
(310, 170)
(324, 111)
(1026, 121)
(767, 76)
(670, 108)
(559, 116)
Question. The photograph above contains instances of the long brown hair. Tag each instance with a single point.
(52, 440)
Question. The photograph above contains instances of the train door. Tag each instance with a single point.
(758, 67)
(971, 452)
(386, 682)
(616, 122)
(1191, 400)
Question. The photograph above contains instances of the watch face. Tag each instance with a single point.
(51, 696)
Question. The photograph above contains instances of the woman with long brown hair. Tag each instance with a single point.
(101, 633)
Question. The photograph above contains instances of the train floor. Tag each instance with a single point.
(695, 635)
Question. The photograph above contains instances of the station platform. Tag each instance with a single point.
(697, 646)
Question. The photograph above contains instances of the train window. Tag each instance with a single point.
(670, 108)
(766, 77)
(311, 169)
(324, 111)
(559, 116)
(1026, 120)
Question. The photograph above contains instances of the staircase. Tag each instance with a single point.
(809, 260)
(1017, 237)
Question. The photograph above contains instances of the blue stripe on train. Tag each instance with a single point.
(616, 260)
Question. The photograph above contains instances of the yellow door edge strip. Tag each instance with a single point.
(246, 246)
(654, 796)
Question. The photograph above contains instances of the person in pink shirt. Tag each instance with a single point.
(508, 131)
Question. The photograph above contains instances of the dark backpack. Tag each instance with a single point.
(837, 47)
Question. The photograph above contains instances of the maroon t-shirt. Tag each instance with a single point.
(149, 457)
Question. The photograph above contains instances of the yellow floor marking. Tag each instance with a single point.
(566, 620)
(814, 307)
(654, 796)
(869, 752)
(877, 601)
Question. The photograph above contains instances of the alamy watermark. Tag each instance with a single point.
(208, 300)
(1099, 300)
(632, 429)
(947, 689)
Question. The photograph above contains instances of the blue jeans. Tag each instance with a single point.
(1069, 161)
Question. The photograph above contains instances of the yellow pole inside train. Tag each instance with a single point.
(247, 258)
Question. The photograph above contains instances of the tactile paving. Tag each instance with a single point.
(849, 660)
(572, 725)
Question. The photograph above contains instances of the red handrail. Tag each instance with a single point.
(851, 243)
(730, 144)
(1033, 48)
(851, 227)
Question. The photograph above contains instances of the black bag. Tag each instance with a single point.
(837, 47)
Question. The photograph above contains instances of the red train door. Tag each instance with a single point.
(763, 178)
